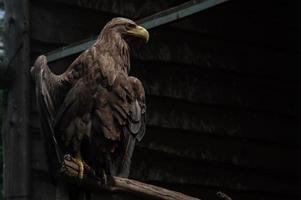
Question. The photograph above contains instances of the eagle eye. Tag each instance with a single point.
(130, 26)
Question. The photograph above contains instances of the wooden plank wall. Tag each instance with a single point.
(222, 94)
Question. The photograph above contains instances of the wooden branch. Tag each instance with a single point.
(223, 196)
(70, 172)
(143, 189)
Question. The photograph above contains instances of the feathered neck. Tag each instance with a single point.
(113, 43)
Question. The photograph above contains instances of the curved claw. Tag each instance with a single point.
(81, 168)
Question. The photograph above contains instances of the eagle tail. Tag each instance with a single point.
(129, 146)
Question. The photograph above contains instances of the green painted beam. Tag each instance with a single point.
(158, 19)
(178, 12)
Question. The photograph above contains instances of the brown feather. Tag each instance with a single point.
(96, 99)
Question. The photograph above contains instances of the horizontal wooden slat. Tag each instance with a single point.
(236, 123)
(244, 22)
(158, 166)
(208, 193)
(215, 87)
(61, 25)
(171, 113)
(207, 148)
(221, 120)
(132, 8)
(135, 9)
(251, 155)
(183, 45)
(161, 166)
(154, 158)
(262, 27)
(188, 48)
(165, 168)
(212, 53)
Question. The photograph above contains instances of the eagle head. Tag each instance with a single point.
(125, 28)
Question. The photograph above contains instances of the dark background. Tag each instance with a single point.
(223, 94)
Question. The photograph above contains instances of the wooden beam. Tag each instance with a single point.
(178, 12)
(17, 165)
(158, 19)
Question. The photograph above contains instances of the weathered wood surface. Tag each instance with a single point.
(16, 137)
(168, 168)
(133, 8)
(222, 98)
(261, 26)
(61, 24)
(174, 165)
(231, 52)
(219, 119)
(232, 64)
(136, 187)
(238, 154)
(217, 52)
(216, 87)
(3, 75)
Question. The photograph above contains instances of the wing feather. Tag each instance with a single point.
(93, 99)
(125, 101)
(45, 84)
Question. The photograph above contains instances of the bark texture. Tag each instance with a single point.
(16, 136)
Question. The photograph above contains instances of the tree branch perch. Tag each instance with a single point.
(137, 187)
(70, 172)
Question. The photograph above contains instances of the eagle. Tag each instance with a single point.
(94, 111)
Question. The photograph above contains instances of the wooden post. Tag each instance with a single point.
(15, 130)
(3, 75)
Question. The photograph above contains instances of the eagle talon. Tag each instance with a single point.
(81, 168)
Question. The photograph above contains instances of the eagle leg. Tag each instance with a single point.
(104, 177)
(81, 163)
(78, 158)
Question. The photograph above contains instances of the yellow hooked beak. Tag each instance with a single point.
(140, 32)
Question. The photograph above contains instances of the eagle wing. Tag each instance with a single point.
(108, 109)
(118, 115)
(50, 91)
(136, 123)
(47, 86)
(121, 111)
